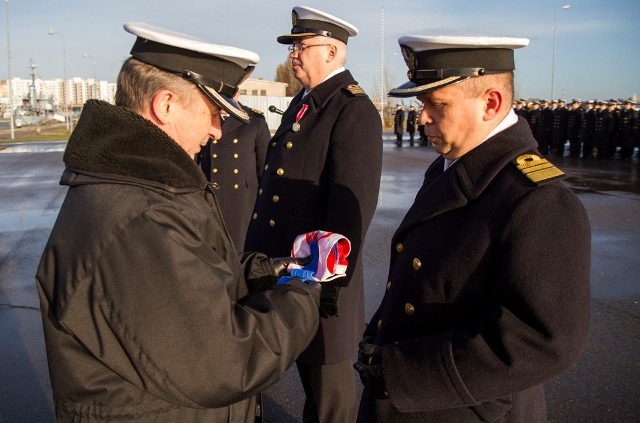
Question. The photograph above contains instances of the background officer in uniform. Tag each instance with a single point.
(233, 164)
(559, 127)
(533, 114)
(543, 127)
(487, 295)
(411, 123)
(586, 129)
(398, 124)
(628, 118)
(323, 173)
(603, 130)
(574, 124)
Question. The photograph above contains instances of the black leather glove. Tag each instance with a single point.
(328, 300)
(369, 365)
(280, 264)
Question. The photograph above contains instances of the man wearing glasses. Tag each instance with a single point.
(323, 173)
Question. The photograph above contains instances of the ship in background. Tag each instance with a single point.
(35, 110)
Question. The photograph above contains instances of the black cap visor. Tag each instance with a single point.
(217, 78)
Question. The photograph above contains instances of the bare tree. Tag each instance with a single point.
(284, 73)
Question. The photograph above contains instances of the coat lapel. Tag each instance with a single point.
(230, 124)
(289, 115)
(439, 192)
(316, 99)
(468, 177)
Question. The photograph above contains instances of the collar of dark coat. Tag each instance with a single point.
(115, 143)
(316, 99)
(320, 95)
(470, 175)
(230, 124)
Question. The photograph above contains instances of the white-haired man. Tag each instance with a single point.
(148, 313)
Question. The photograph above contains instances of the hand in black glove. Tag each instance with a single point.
(369, 365)
(328, 300)
(280, 264)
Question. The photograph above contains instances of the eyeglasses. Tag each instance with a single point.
(215, 116)
(297, 48)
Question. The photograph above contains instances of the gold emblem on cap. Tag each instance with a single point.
(410, 60)
(537, 169)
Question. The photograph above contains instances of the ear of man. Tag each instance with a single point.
(162, 106)
(333, 53)
(494, 104)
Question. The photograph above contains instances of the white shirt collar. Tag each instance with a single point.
(335, 72)
(509, 120)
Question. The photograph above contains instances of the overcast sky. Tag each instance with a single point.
(597, 42)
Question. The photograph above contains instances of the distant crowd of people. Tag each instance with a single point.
(595, 129)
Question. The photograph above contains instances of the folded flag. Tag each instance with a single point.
(328, 252)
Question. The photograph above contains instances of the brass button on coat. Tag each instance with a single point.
(280, 171)
(289, 144)
(214, 170)
(379, 323)
(255, 216)
(260, 191)
(214, 156)
(235, 156)
(417, 264)
(272, 223)
(409, 308)
(389, 286)
(276, 198)
(235, 171)
(273, 144)
(399, 247)
(235, 186)
(235, 140)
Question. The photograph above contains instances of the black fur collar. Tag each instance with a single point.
(112, 140)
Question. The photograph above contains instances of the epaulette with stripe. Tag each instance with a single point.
(256, 111)
(355, 90)
(537, 169)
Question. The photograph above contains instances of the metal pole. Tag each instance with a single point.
(9, 77)
(93, 62)
(64, 83)
(382, 65)
(553, 65)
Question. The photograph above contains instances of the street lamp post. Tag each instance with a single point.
(12, 123)
(93, 62)
(553, 65)
(64, 83)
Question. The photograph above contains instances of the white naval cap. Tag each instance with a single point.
(308, 22)
(216, 69)
(437, 61)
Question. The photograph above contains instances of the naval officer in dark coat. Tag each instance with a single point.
(487, 295)
(323, 173)
(149, 315)
(233, 164)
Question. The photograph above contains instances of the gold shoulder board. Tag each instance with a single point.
(355, 89)
(537, 169)
(256, 111)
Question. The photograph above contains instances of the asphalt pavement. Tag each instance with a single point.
(602, 387)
